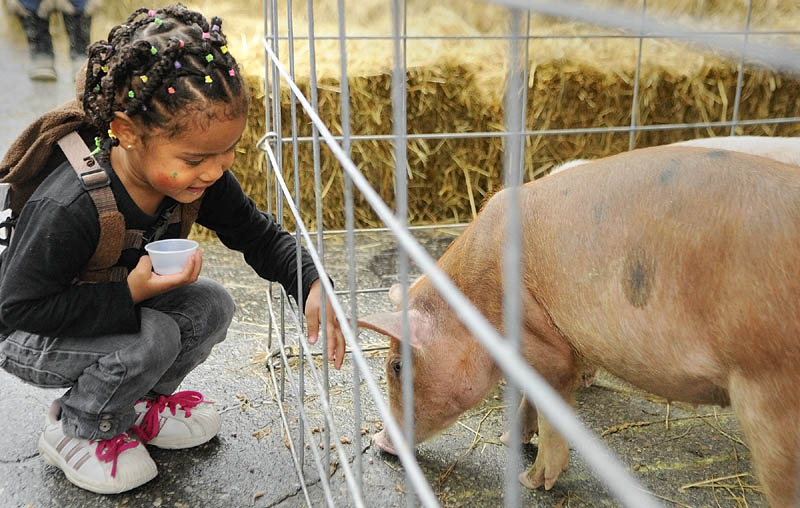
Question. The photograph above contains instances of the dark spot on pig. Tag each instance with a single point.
(637, 277)
(669, 171)
(598, 213)
(565, 192)
(717, 154)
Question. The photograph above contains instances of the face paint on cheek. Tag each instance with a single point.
(167, 179)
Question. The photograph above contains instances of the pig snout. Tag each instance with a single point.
(384, 443)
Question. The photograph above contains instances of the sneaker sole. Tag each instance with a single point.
(180, 445)
(52, 457)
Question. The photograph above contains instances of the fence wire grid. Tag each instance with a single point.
(316, 426)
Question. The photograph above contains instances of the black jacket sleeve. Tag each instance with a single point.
(267, 248)
(52, 243)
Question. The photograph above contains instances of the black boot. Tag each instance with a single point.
(40, 46)
(78, 29)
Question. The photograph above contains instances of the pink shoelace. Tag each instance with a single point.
(110, 449)
(149, 427)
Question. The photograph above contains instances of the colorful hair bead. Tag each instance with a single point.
(143, 78)
(170, 90)
(104, 68)
(208, 79)
(151, 13)
(215, 28)
(206, 35)
(177, 64)
(158, 21)
(231, 72)
(111, 134)
(96, 88)
(131, 94)
(181, 43)
(224, 49)
(153, 50)
(209, 57)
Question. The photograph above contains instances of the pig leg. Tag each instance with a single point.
(768, 410)
(528, 418)
(552, 458)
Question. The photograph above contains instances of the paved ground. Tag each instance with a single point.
(249, 465)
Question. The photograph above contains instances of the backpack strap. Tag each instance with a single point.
(96, 182)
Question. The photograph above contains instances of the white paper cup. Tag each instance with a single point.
(170, 256)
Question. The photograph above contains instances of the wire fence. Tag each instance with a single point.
(295, 374)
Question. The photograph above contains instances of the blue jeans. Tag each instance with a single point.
(33, 5)
(107, 375)
(37, 30)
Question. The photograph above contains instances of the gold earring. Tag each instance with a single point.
(129, 147)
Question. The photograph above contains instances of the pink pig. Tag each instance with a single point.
(675, 268)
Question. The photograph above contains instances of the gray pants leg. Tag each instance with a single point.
(107, 375)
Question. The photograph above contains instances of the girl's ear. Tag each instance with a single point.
(126, 130)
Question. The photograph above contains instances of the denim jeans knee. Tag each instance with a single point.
(203, 311)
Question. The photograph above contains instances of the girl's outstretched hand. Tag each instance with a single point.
(144, 283)
(336, 345)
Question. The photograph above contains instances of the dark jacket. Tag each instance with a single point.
(58, 231)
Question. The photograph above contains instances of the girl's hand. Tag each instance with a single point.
(143, 283)
(336, 345)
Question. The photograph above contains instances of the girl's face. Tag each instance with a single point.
(185, 165)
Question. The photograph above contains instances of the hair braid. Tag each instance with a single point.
(159, 66)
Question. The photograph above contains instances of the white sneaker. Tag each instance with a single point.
(190, 421)
(105, 467)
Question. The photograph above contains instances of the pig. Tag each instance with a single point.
(674, 268)
(570, 164)
(783, 149)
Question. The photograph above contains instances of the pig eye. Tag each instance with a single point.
(397, 367)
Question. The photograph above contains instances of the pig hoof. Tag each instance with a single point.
(528, 482)
(526, 437)
(381, 439)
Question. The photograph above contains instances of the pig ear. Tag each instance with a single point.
(396, 294)
(391, 323)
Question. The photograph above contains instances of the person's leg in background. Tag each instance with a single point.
(79, 24)
(40, 44)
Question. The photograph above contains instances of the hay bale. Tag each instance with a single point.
(457, 86)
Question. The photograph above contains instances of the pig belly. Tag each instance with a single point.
(672, 269)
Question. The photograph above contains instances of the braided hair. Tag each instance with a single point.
(162, 66)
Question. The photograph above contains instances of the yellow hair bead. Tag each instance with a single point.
(224, 49)
(208, 79)
(111, 134)
(143, 78)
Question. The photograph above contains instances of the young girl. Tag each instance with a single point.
(166, 103)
